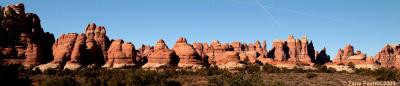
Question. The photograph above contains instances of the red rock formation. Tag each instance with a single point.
(265, 60)
(229, 60)
(298, 50)
(188, 57)
(251, 56)
(16, 28)
(97, 44)
(389, 56)
(343, 55)
(120, 54)
(33, 55)
(62, 51)
(200, 50)
(278, 49)
(144, 53)
(161, 57)
(237, 46)
(359, 59)
(74, 62)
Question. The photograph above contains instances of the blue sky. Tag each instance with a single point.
(367, 24)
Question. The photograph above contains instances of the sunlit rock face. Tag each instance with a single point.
(389, 56)
(74, 51)
(229, 60)
(359, 59)
(120, 55)
(188, 57)
(63, 51)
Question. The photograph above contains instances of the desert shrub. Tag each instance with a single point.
(58, 81)
(324, 69)
(251, 69)
(381, 74)
(298, 70)
(351, 65)
(236, 79)
(51, 71)
(212, 71)
(387, 74)
(268, 68)
(310, 75)
(277, 83)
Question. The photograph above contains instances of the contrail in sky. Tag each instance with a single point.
(296, 12)
(270, 14)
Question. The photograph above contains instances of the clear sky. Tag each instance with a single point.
(366, 24)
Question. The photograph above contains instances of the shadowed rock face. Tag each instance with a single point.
(21, 32)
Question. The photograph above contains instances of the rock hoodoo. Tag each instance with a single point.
(62, 50)
(188, 57)
(161, 57)
(74, 51)
(120, 54)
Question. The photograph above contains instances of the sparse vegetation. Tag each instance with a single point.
(250, 75)
(381, 74)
